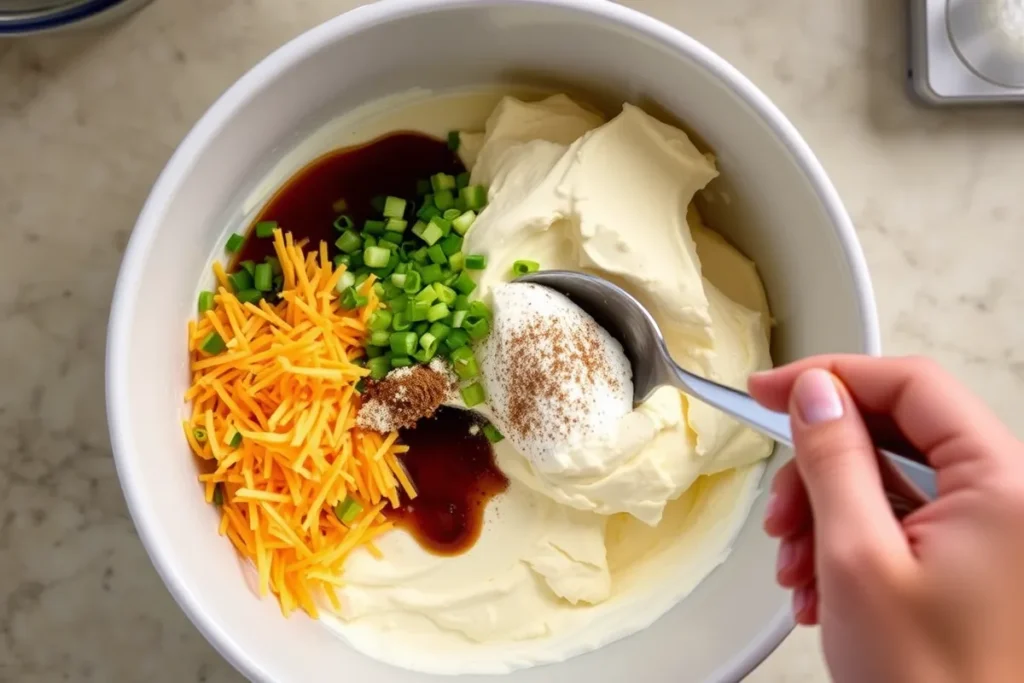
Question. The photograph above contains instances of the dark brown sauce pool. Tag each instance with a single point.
(455, 476)
(453, 471)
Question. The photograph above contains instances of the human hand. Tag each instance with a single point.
(937, 596)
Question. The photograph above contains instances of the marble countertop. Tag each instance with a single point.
(88, 120)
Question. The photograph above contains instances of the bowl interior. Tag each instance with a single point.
(772, 202)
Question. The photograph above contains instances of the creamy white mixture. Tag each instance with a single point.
(604, 530)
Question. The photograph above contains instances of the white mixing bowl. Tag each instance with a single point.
(774, 202)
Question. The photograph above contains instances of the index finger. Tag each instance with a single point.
(932, 410)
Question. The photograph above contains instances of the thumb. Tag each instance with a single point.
(839, 465)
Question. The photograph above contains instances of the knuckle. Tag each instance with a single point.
(922, 366)
(856, 560)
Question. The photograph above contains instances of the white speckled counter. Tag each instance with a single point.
(88, 120)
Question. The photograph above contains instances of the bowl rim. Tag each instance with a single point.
(118, 395)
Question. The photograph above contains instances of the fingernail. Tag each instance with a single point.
(786, 555)
(800, 599)
(816, 397)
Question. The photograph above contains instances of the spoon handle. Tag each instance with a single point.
(908, 482)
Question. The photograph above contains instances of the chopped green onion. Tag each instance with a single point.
(478, 328)
(476, 262)
(218, 494)
(524, 267)
(352, 299)
(480, 310)
(403, 343)
(451, 244)
(347, 510)
(240, 280)
(457, 261)
(248, 266)
(236, 439)
(492, 433)
(428, 212)
(441, 181)
(263, 280)
(376, 257)
(475, 196)
(463, 223)
(396, 225)
(463, 361)
(380, 338)
(453, 140)
(374, 227)
(400, 361)
(413, 282)
(380, 320)
(432, 273)
(342, 260)
(419, 256)
(374, 351)
(433, 232)
(199, 434)
(345, 280)
(205, 301)
(451, 214)
(394, 207)
(473, 395)
(361, 386)
(429, 342)
(349, 242)
(398, 279)
(421, 328)
(445, 294)
(235, 242)
(427, 295)
(212, 343)
(458, 317)
(422, 187)
(399, 303)
(464, 284)
(456, 339)
(418, 311)
(379, 367)
(274, 263)
(444, 200)
(461, 303)
(343, 222)
(425, 355)
(440, 331)
(400, 322)
(266, 229)
(437, 255)
(418, 227)
(462, 180)
(249, 296)
(439, 311)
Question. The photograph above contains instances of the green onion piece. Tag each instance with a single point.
(376, 257)
(371, 227)
(419, 256)
(425, 355)
(473, 395)
(427, 212)
(437, 255)
(463, 361)
(461, 303)
(442, 181)
(266, 229)
(439, 311)
(343, 222)
(400, 361)
(398, 279)
(212, 343)
(480, 309)
(352, 299)
(456, 261)
(403, 343)
(378, 289)
(456, 339)
(445, 294)
(347, 510)
(475, 196)
(374, 351)
(369, 241)
(492, 433)
(422, 187)
(394, 207)
(235, 242)
(361, 386)
(205, 301)
(396, 225)
(248, 266)
(433, 273)
(440, 331)
(433, 232)
(379, 367)
(264, 277)
(380, 338)
(429, 342)
(458, 318)
(240, 280)
(274, 263)
(418, 311)
(380, 320)
(463, 223)
(390, 240)
(249, 296)
(478, 328)
(460, 204)
(451, 214)
(451, 244)
(462, 180)
(524, 267)
(400, 322)
(349, 242)
(427, 295)
(476, 262)
(218, 495)
(453, 140)
(236, 439)
(464, 284)
(421, 328)
(413, 282)
(345, 280)
(342, 260)
(199, 434)
(418, 227)
(444, 200)
(399, 303)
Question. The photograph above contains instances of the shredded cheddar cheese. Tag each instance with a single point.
(274, 416)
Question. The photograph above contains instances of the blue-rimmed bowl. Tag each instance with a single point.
(26, 17)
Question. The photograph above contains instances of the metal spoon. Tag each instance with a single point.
(908, 482)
